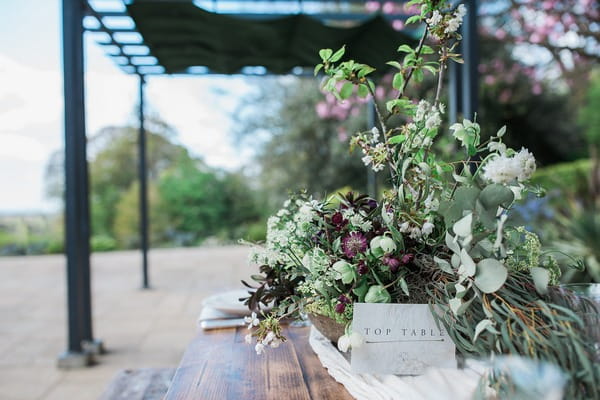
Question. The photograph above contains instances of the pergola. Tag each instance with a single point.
(249, 37)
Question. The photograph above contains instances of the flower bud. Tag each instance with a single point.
(387, 244)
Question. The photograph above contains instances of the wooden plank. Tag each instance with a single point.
(220, 365)
(139, 384)
(320, 384)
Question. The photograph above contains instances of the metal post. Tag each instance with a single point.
(371, 176)
(454, 91)
(77, 217)
(470, 81)
(143, 176)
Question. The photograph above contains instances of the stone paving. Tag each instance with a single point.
(140, 328)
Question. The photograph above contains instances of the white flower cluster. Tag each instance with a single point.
(358, 221)
(504, 169)
(270, 339)
(455, 22)
(377, 156)
(416, 232)
(426, 119)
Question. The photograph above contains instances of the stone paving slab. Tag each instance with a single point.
(140, 328)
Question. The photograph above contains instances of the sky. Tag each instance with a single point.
(31, 104)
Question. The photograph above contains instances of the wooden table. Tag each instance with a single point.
(218, 364)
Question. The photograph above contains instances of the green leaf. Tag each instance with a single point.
(346, 90)
(455, 305)
(398, 81)
(404, 286)
(361, 290)
(365, 70)
(541, 279)
(318, 67)
(337, 55)
(495, 195)
(397, 139)
(491, 275)
(413, 19)
(419, 75)
(325, 54)
(405, 49)
(394, 64)
(501, 131)
(426, 50)
(363, 91)
(377, 294)
(431, 69)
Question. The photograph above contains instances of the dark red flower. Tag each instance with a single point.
(407, 258)
(344, 299)
(354, 244)
(340, 308)
(362, 267)
(391, 262)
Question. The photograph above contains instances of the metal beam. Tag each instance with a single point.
(470, 74)
(143, 177)
(77, 217)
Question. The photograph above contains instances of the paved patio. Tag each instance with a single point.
(139, 328)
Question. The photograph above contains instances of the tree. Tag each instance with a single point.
(295, 148)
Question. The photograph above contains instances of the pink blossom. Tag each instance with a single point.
(398, 25)
(505, 96)
(388, 7)
(535, 37)
(500, 34)
(372, 6)
(342, 134)
(322, 109)
(489, 79)
(536, 89)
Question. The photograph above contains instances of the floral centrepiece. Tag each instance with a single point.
(441, 234)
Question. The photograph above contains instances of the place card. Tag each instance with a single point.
(400, 339)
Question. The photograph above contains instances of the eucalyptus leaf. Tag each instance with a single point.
(541, 279)
(491, 275)
(481, 326)
(451, 243)
(455, 305)
(462, 227)
(467, 262)
(444, 265)
(466, 197)
(495, 195)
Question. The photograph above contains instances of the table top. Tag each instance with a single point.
(218, 364)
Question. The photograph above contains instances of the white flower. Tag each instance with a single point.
(375, 133)
(248, 338)
(404, 227)
(269, 338)
(442, 108)
(435, 19)
(275, 343)
(357, 220)
(260, 348)
(501, 169)
(415, 233)
(453, 25)
(251, 320)
(433, 120)
(526, 162)
(343, 343)
(366, 226)
(378, 167)
(354, 340)
(461, 11)
(347, 213)
(427, 228)
(422, 109)
(367, 160)
(387, 244)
